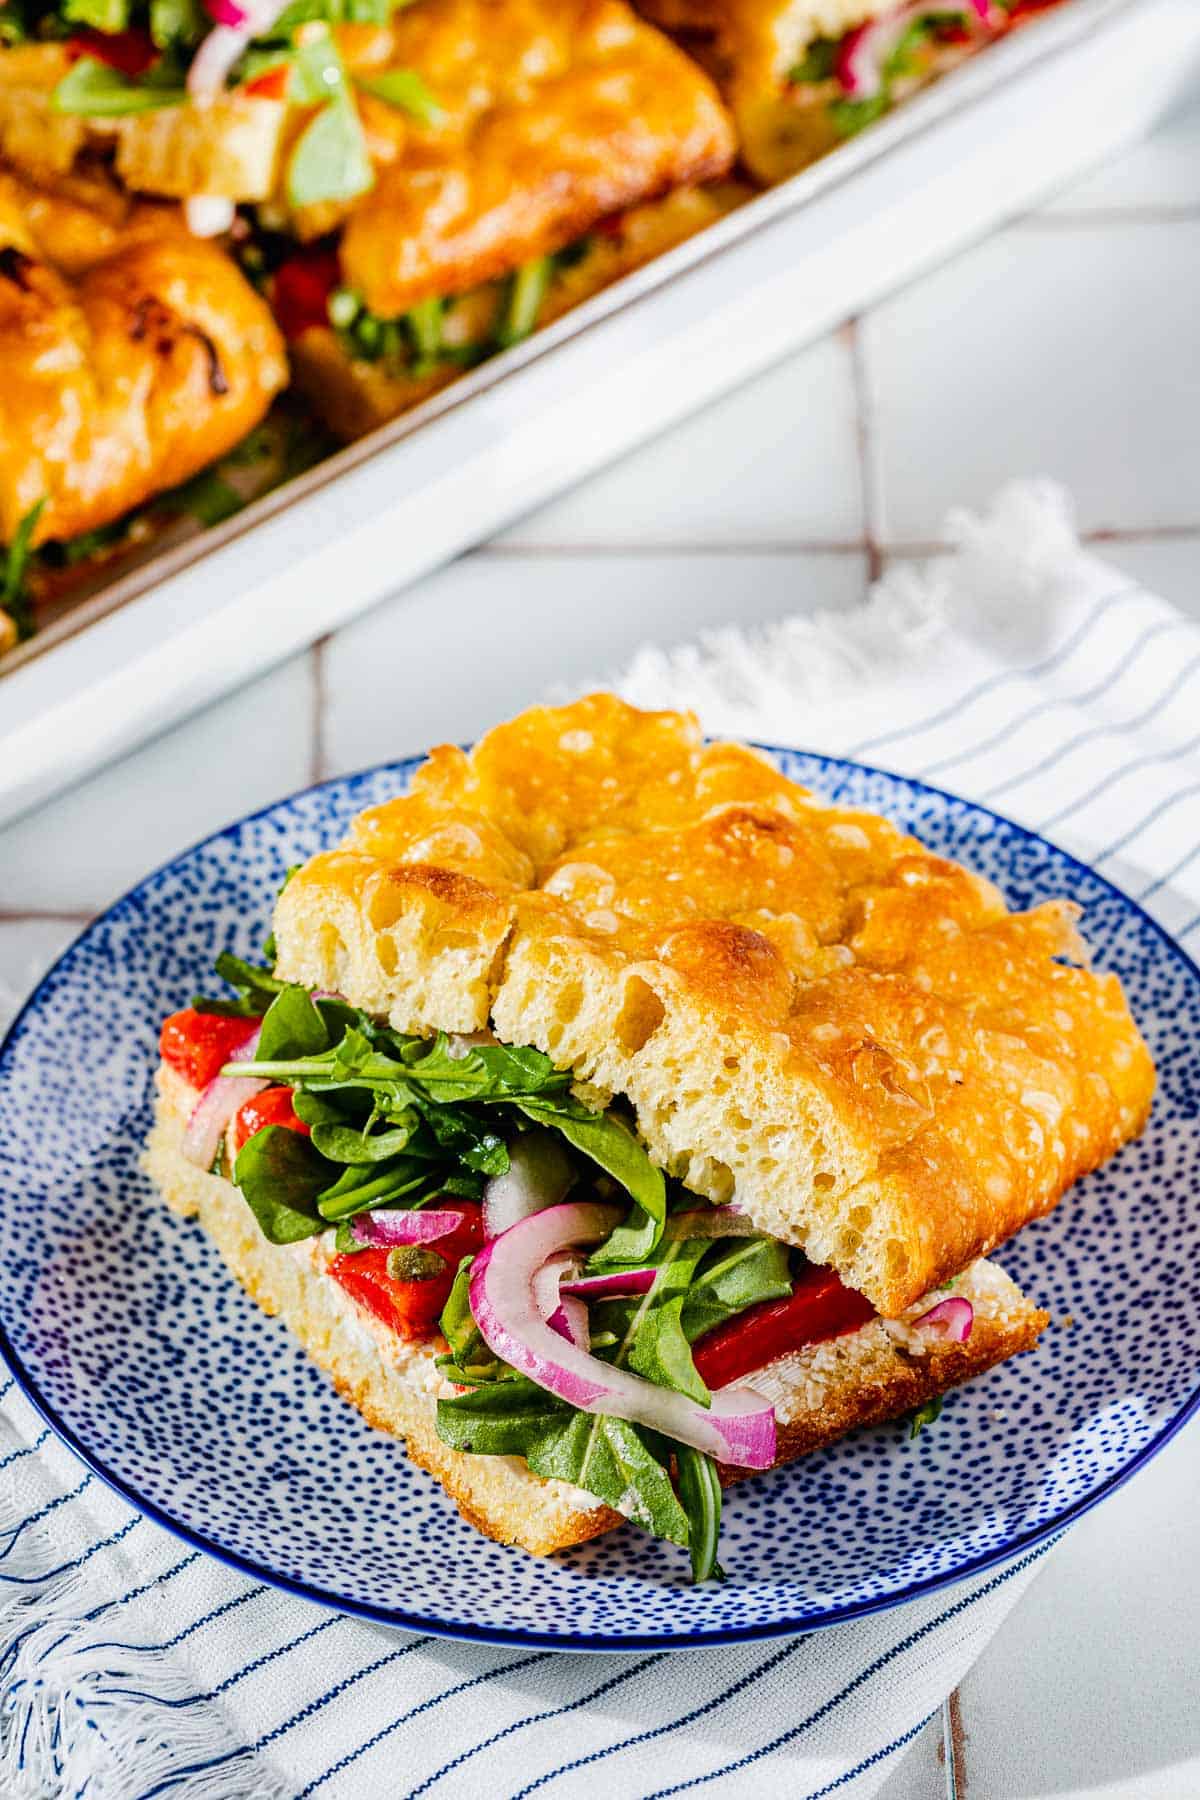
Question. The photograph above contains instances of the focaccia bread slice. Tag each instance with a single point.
(233, 146)
(819, 1393)
(809, 1012)
(353, 395)
(133, 353)
(554, 114)
(775, 62)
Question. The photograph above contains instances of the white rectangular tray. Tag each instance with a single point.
(985, 142)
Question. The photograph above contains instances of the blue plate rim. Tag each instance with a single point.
(461, 1632)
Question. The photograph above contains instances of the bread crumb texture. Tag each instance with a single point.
(806, 1008)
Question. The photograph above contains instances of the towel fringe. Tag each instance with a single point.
(85, 1708)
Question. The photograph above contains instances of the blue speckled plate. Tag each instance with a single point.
(123, 1326)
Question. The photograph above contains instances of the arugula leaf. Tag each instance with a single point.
(483, 1072)
(405, 90)
(659, 1349)
(292, 1028)
(331, 161)
(92, 90)
(849, 117)
(333, 12)
(819, 62)
(177, 22)
(281, 1175)
(611, 1459)
(342, 1138)
(502, 1418)
(700, 1496)
(740, 1272)
(526, 291)
(258, 988)
(607, 1141)
(208, 497)
(924, 1415)
(479, 1147)
(100, 15)
(403, 1178)
(606, 1457)
(13, 597)
(317, 71)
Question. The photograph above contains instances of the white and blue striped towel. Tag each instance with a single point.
(1020, 672)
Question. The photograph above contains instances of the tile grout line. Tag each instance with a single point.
(1098, 534)
(1102, 217)
(45, 915)
(698, 549)
(954, 1744)
(864, 439)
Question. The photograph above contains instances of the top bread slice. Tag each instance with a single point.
(809, 1012)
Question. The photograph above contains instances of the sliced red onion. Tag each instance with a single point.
(538, 1175)
(221, 47)
(710, 1221)
(393, 1225)
(570, 1320)
(738, 1428)
(950, 1320)
(567, 1316)
(863, 53)
(609, 1287)
(227, 12)
(218, 1103)
(209, 215)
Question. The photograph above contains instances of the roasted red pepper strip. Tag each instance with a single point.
(272, 84)
(819, 1307)
(272, 1107)
(197, 1045)
(301, 289)
(129, 52)
(410, 1308)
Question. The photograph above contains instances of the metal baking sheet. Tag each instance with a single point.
(983, 143)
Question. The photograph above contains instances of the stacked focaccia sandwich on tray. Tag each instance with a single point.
(203, 202)
(615, 1118)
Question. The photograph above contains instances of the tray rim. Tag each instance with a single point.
(398, 1618)
(1044, 40)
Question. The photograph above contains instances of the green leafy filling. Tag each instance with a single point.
(14, 570)
(398, 1120)
(907, 57)
(925, 1415)
(415, 343)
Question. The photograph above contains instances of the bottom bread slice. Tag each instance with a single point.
(819, 1392)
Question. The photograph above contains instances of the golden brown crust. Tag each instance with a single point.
(353, 396)
(128, 366)
(804, 1005)
(820, 1393)
(555, 114)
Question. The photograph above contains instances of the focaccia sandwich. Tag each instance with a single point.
(617, 1118)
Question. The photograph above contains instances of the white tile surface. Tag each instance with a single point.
(775, 462)
(83, 849)
(1070, 353)
(1162, 173)
(1166, 566)
(494, 633)
(1091, 1690)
